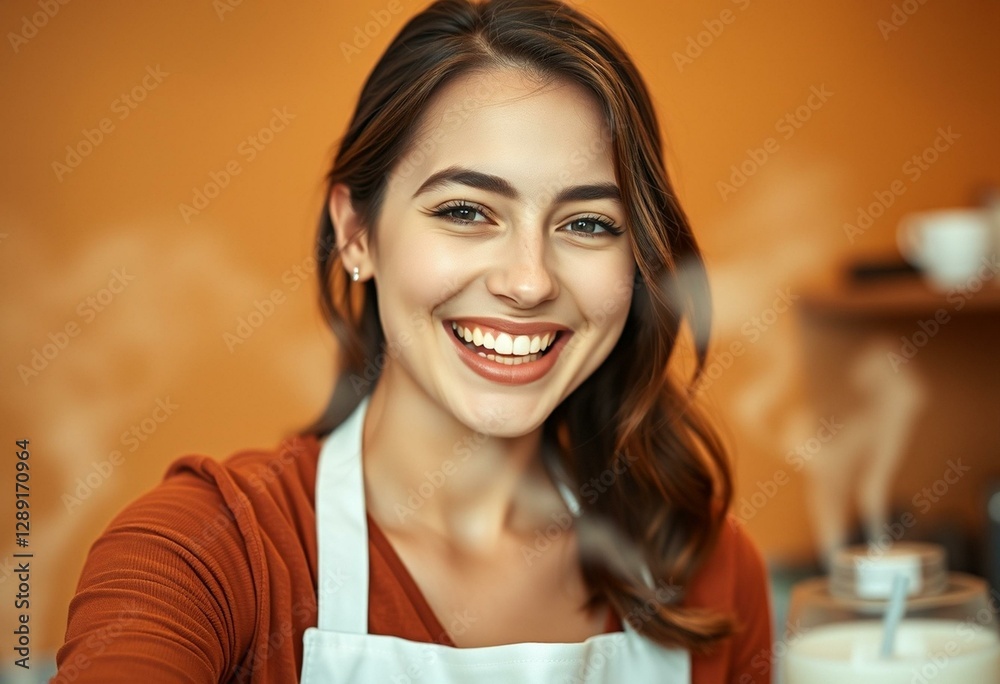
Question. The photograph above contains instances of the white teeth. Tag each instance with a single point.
(511, 360)
(520, 346)
(504, 344)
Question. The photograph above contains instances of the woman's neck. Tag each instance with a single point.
(424, 470)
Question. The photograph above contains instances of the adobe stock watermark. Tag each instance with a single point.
(697, 44)
(98, 641)
(579, 159)
(764, 661)
(121, 107)
(964, 644)
(924, 500)
(593, 489)
(268, 473)
(364, 33)
(787, 125)
(401, 339)
(970, 630)
(264, 308)
(901, 13)
(972, 638)
(486, 86)
(249, 323)
(936, 490)
(391, 349)
(753, 329)
(597, 316)
(928, 328)
(797, 457)
(304, 610)
(87, 311)
(224, 7)
(434, 480)
(603, 652)
(248, 150)
(666, 592)
(416, 668)
(562, 521)
(131, 439)
(7, 569)
(913, 168)
(31, 25)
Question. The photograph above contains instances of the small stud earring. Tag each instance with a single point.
(356, 275)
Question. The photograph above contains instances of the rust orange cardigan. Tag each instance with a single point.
(211, 577)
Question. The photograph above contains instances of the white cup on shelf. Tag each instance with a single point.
(949, 246)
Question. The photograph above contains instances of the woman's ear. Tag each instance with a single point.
(352, 237)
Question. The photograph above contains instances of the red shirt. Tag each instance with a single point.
(211, 577)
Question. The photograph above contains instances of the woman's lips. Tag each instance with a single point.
(496, 371)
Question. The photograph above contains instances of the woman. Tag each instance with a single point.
(507, 485)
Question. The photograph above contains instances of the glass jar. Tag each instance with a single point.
(948, 634)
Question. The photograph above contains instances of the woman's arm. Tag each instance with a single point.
(166, 594)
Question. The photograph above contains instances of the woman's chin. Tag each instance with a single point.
(502, 417)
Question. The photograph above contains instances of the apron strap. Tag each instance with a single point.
(342, 529)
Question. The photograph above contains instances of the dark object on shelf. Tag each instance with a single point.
(868, 271)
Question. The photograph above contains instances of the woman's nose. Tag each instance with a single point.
(521, 273)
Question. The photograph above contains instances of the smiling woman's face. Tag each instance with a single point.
(502, 225)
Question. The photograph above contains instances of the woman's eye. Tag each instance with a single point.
(462, 213)
(592, 226)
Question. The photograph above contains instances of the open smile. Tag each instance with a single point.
(503, 347)
(508, 352)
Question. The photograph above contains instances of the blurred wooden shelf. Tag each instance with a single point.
(903, 296)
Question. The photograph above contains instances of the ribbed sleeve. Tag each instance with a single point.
(207, 578)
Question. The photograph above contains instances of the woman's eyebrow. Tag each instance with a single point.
(499, 186)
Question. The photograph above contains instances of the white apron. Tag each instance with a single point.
(339, 648)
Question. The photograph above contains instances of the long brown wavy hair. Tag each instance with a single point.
(670, 501)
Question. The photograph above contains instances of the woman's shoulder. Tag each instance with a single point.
(284, 472)
(213, 508)
(736, 542)
(733, 568)
(247, 501)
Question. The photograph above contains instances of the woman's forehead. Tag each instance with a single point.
(510, 124)
(493, 95)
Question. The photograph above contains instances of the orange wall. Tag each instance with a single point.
(168, 287)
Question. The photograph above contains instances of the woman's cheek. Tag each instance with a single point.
(439, 269)
(607, 292)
